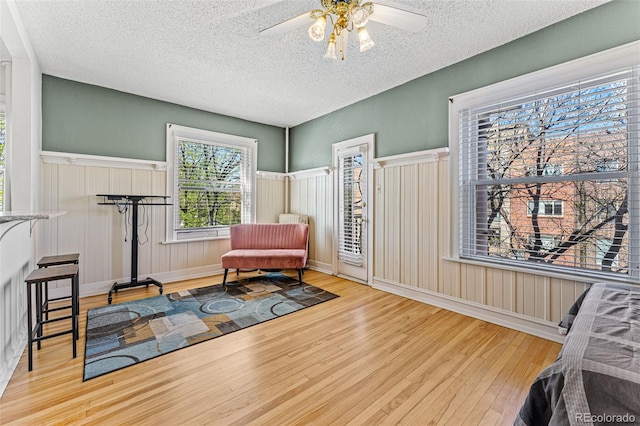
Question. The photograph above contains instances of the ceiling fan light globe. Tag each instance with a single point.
(366, 42)
(331, 51)
(360, 17)
(316, 31)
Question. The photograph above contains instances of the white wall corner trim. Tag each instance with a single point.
(310, 173)
(533, 326)
(418, 157)
(52, 157)
(271, 175)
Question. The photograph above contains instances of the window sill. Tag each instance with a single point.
(585, 278)
(195, 240)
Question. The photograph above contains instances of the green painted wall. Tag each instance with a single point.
(414, 116)
(86, 119)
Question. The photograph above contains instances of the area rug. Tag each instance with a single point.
(128, 333)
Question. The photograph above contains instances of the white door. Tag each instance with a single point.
(352, 160)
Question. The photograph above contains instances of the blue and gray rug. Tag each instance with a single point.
(127, 333)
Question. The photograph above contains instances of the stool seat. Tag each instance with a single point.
(60, 259)
(52, 274)
(41, 276)
(56, 260)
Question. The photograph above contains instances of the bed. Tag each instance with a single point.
(596, 378)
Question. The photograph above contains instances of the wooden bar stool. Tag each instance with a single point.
(37, 278)
(57, 260)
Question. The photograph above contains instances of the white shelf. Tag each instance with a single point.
(20, 217)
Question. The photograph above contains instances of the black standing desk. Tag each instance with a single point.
(134, 202)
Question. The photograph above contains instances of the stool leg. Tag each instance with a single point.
(74, 312)
(78, 292)
(76, 283)
(39, 312)
(30, 327)
(45, 302)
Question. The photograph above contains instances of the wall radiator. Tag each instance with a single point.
(293, 218)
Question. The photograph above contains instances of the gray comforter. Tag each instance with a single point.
(596, 378)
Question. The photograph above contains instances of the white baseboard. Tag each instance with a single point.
(325, 268)
(103, 287)
(12, 363)
(533, 326)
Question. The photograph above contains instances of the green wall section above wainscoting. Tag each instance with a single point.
(86, 119)
(414, 116)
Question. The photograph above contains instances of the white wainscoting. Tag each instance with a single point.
(270, 196)
(312, 195)
(412, 223)
(413, 243)
(98, 233)
(15, 264)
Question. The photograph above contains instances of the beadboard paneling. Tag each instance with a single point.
(414, 243)
(270, 199)
(313, 196)
(99, 234)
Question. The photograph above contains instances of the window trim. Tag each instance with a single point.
(175, 132)
(522, 86)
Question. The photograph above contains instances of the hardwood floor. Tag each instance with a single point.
(367, 357)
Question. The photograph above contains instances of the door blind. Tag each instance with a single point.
(352, 183)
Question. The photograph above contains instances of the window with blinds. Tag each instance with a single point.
(352, 183)
(552, 178)
(213, 183)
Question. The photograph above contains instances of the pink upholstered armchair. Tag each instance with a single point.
(267, 246)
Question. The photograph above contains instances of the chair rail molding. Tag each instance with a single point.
(418, 157)
(271, 175)
(310, 173)
(53, 157)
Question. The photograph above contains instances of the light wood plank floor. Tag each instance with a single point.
(367, 357)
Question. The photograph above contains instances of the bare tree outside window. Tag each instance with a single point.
(209, 184)
(553, 179)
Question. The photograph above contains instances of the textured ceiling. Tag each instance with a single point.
(207, 54)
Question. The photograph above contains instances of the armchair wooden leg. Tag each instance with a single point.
(300, 275)
(224, 279)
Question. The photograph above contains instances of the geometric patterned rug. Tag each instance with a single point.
(124, 334)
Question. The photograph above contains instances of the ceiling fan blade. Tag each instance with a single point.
(398, 18)
(288, 25)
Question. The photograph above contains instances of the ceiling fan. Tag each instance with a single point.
(346, 16)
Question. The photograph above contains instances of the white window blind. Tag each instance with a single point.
(551, 180)
(213, 182)
(352, 182)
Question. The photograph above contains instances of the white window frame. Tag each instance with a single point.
(176, 132)
(556, 76)
(542, 205)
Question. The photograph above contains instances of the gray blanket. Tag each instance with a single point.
(596, 378)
